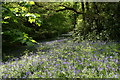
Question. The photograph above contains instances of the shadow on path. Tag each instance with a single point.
(16, 51)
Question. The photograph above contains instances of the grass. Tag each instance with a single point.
(66, 59)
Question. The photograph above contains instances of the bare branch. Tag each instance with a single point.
(65, 8)
(68, 8)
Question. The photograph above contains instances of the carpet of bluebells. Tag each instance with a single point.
(66, 59)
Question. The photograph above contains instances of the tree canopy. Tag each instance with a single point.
(28, 22)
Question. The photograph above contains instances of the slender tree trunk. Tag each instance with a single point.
(97, 19)
(88, 18)
(83, 15)
(87, 6)
(75, 15)
(83, 10)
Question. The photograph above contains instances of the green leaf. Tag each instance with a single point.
(31, 20)
(31, 2)
(37, 15)
(5, 22)
(29, 43)
(7, 17)
(38, 23)
(24, 40)
(33, 41)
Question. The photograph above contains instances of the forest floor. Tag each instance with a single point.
(63, 57)
(17, 51)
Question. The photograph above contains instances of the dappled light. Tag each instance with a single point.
(65, 58)
(60, 40)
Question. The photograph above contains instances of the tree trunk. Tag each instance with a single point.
(83, 10)
(97, 19)
(75, 15)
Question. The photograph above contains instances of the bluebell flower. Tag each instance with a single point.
(108, 66)
(116, 76)
(113, 69)
(24, 77)
(39, 75)
(93, 59)
(101, 50)
(100, 69)
(111, 57)
(65, 62)
(27, 73)
(78, 70)
(6, 76)
(116, 61)
(57, 64)
(41, 62)
(11, 65)
(81, 63)
(82, 59)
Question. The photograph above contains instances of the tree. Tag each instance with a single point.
(99, 21)
(14, 16)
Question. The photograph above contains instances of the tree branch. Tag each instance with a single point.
(41, 6)
(68, 8)
(65, 8)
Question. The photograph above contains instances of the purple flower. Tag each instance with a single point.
(78, 70)
(115, 76)
(66, 63)
(41, 62)
(93, 59)
(82, 59)
(39, 75)
(57, 64)
(108, 66)
(113, 69)
(94, 51)
(110, 56)
(100, 69)
(24, 77)
(1, 63)
(116, 60)
(75, 71)
(81, 63)
(5, 76)
(11, 65)
(33, 63)
(27, 73)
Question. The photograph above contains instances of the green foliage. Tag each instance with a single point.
(14, 16)
(53, 23)
(62, 58)
(59, 22)
(100, 22)
(33, 18)
(38, 22)
(18, 36)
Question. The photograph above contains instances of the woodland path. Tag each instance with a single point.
(19, 51)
